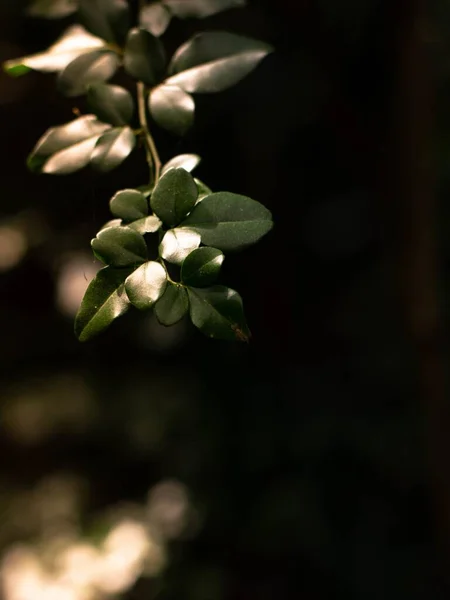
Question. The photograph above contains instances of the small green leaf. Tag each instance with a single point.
(155, 18)
(203, 190)
(172, 108)
(112, 149)
(201, 267)
(149, 224)
(104, 300)
(92, 67)
(74, 42)
(174, 196)
(112, 223)
(177, 244)
(173, 305)
(228, 221)
(129, 205)
(52, 9)
(108, 19)
(111, 103)
(146, 285)
(215, 60)
(200, 9)
(144, 57)
(218, 313)
(119, 247)
(188, 162)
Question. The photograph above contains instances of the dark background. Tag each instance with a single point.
(307, 455)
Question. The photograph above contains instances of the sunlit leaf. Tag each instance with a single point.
(112, 148)
(200, 8)
(74, 42)
(202, 267)
(155, 18)
(52, 9)
(188, 162)
(119, 247)
(67, 148)
(203, 190)
(112, 223)
(213, 61)
(177, 244)
(218, 313)
(129, 205)
(173, 305)
(229, 221)
(174, 196)
(145, 225)
(111, 103)
(146, 285)
(144, 57)
(92, 67)
(172, 108)
(109, 19)
(104, 300)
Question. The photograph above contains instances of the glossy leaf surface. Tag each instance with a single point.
(92, 67)
(104, 300)
(111, 103)
(112, 148)
(177, 244)
(155, 18)
(52, 9)
(129, 205)
(202, 267)
(172, 108)
(144, 57)
(119, 247)
(188, 162)
(203, 190)
(174, 196)
(148, 224)
(228, 221)
(146, 285)
(200, 8)
(173, 305)
(108, 19)
(218, 313)
(214, 61)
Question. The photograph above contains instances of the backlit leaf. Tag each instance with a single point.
(173, 305)
(144, 57)
(145, 225)
(112, 148)
(155, 18)
(200, 8)
(177, 244)
(119, 247)
(188, 162)
(203, 190)
(108, 19)
(174, 196)
(172, 108)
(111, 103)
(52, 9)
(146, 285)
(92, 67)
(201, 267)
(129, 205)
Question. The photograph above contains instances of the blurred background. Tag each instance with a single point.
(312, 463)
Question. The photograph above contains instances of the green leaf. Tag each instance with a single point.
(145, 225)
(172, 108)
(108, 19)
(201, 267)
(144, 57)
(52, 9)
(146, 285)
(174, 196)
(218, 313)
(74, 42)
(67, 148)
(119, 247)
(203, 190)
(173, 305)
(92, 67)
(111, 103)
(185, 9)
(177, 244)
(188, 162)
(112, 148)
(129, 205)
(228, 221)
(213, 61)
(104, 300)
(155, 18)
(112, 223)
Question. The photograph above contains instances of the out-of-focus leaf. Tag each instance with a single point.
(155, 18)
(177, 244)
(218, 313)
(52, 9)
(203, 190)
(111, 103)
(188, 162)
(146, 285)
(112, 223)
(174, 196)
(144, 57)
(145, 225)
(112, 148)
(172, 108)
(129, 205)
(213, 61)
(119, 247)
(92, 67)
(200, 8)
(173, 305)
(74, 42)
(104, 300)
(108, 19)
(229, 221)
(67, 148)
(201, 267)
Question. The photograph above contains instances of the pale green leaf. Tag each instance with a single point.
(129, 205)
(188, 162)
(177, 244)
(146, 285)
(111, 103)
(112, 148)
(172, 108)
(92, 67)
(119, 247)
(155, 18)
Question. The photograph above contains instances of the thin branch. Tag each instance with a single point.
(153, 159)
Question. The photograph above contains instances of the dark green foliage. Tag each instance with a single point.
(201, 267)
(111, 103)
(174, 196)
